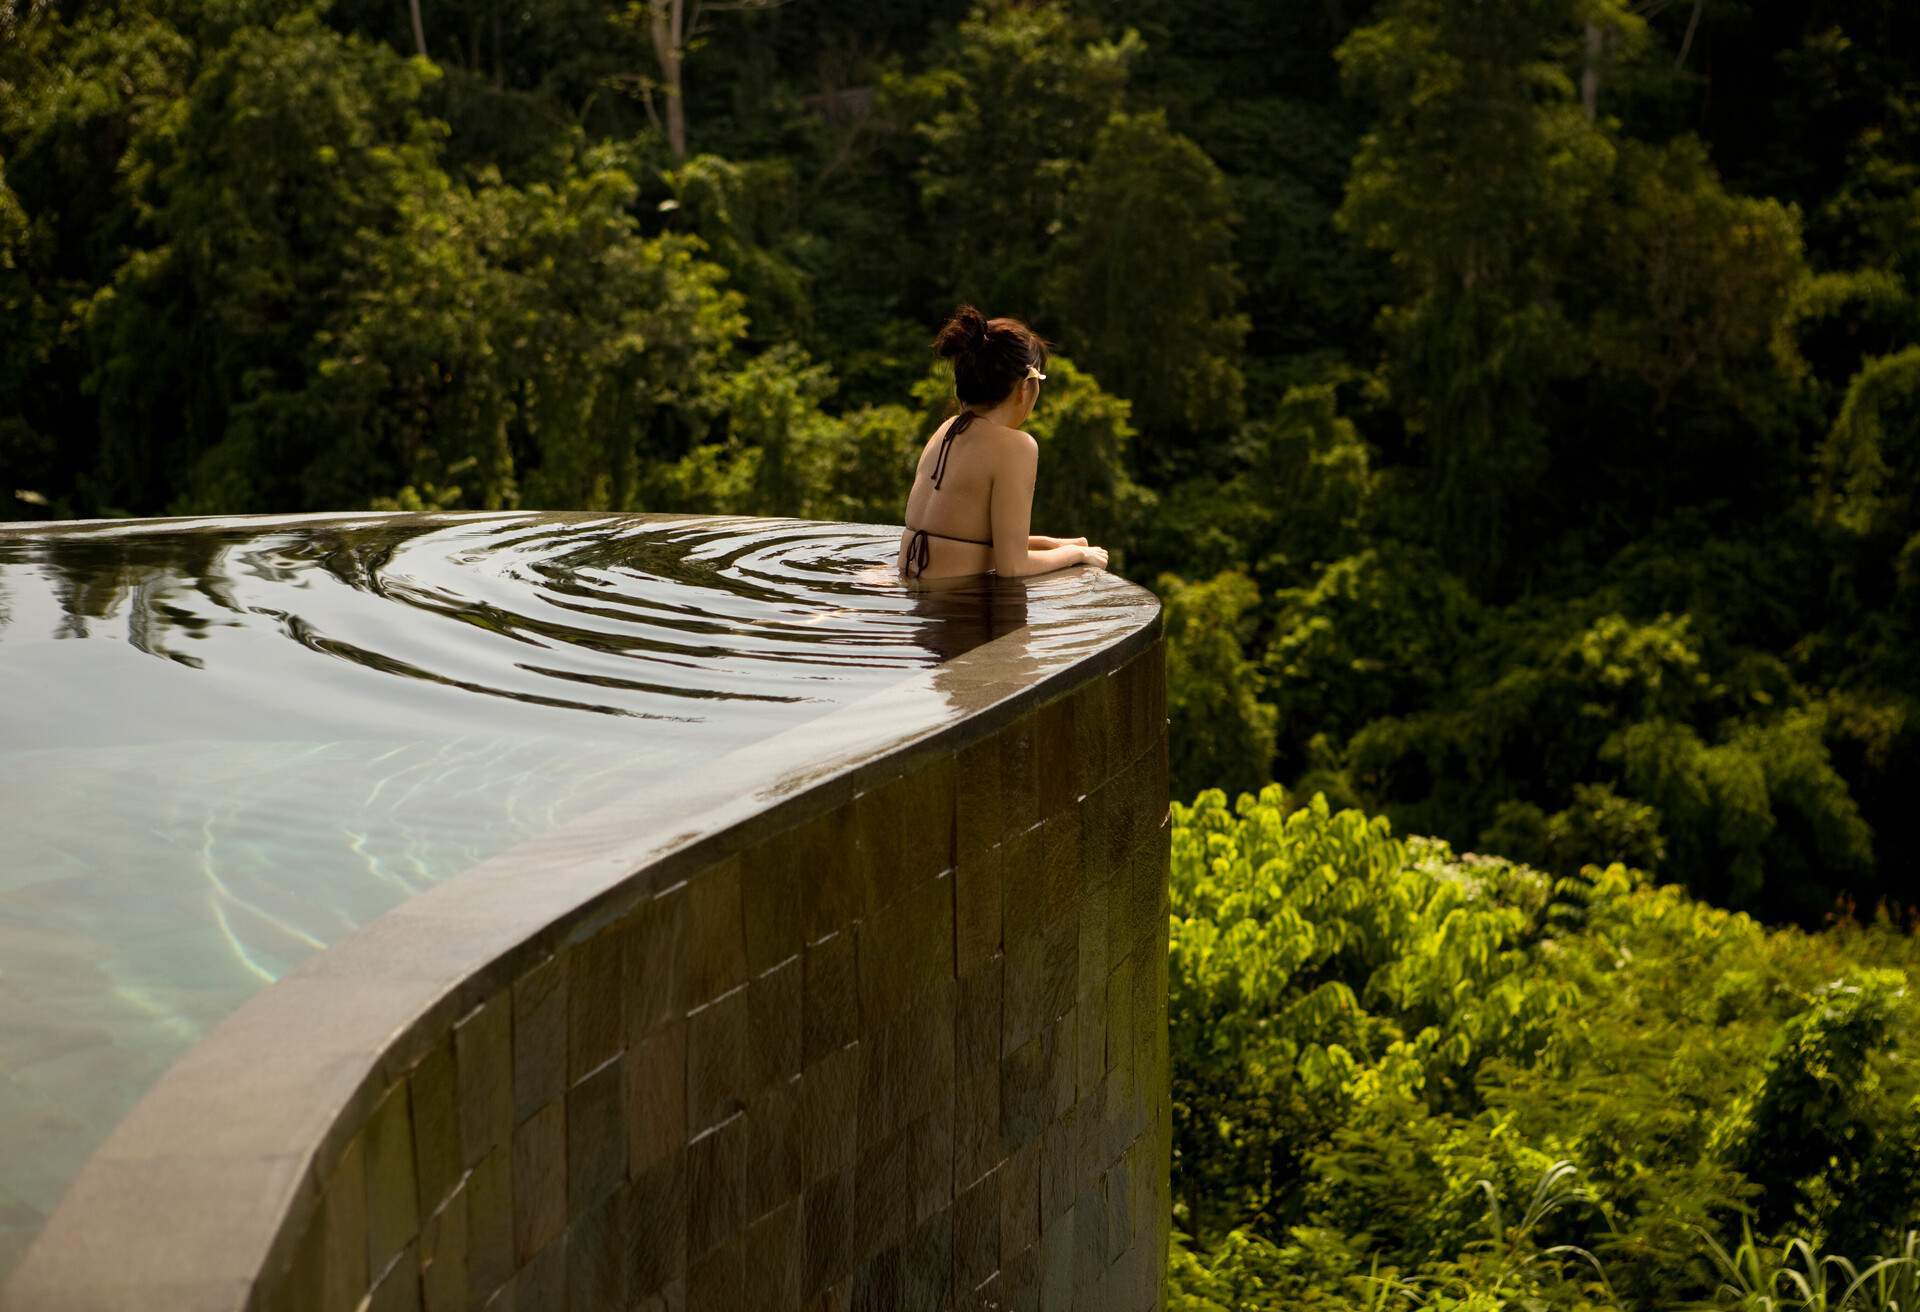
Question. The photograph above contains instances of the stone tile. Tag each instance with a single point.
(717, 1060)
(829, 1112)
(1120, 1017)
(927, 819)
(1019, 779)
(1090, 1042)
(1095, 814)
(297, 1288)
(489, 1194)
(1020, 1275)
(539, 1180)
(598, 1270)
(1090, 1139)
(976, 1232)
(398, 1288)
(985, 1297)
(1053, 746)
(343, 1211)
(878, 1283)
(1026, 1089)
(657, 1203)
(775, 1151)
(1060, 862)
(542, 1283)
(1056, 1266)
(773, 1255)
(597, 1156)
(926, 1266)
(654, 963)
(717, 1281)
(717, 1168)
(716, 934)
(431, 1094)
(978, 824)
(1090, 1255)
(1091, 961)
(976, 897)
(879, 840)
(393, 1218)
(1119, 1211)
(883, 1192)
(539, 1037)
(1059, 968)
(1119, 825)
(770, 903)
(1092, 732)
(831, 1003)
(831, 862)
(596, 1017)
(483, 1059)
(977, 1018)
(932, 1152)
(775, 1002)
(976, 1123)
(835, 1298)
(927, 1040)
(1020, 1197)
(443, 1256)
(1062, 1058)
(1059, 1176)
(1148, 1007)
(906, 948)
(655, 1072)
(829, 1235)
(1157, 686)
(1024, 1000)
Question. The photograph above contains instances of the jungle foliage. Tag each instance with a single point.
(1410, 1076)
(1515, 405)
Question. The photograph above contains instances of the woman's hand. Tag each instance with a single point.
(1094, 556)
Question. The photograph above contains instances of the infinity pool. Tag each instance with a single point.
(225, 743)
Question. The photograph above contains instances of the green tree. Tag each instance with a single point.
(1476, 179)
(1006, 118)
(1144, 272)
(1221, 730)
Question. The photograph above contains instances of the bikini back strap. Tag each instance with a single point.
(946, 444)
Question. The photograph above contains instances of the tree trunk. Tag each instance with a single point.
(669, 41)
(419, 29)
(1686, 42)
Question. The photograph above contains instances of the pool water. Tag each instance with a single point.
(226, 743)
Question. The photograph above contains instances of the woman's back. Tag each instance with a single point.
(971, 505)
(952, 494)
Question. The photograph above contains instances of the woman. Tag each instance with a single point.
(972, 498)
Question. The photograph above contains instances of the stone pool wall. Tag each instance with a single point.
(908, 1053)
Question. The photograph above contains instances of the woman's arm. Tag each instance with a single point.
(1041, 542)
(1012, 512)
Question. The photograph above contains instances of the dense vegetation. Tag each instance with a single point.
(1516, 405)
(1409, 1076)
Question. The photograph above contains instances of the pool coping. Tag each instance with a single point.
(226, 1147)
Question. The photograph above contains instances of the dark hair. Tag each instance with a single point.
(990, 356)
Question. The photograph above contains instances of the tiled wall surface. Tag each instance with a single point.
(911, 1054)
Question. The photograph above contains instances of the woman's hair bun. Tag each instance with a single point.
(963, 333)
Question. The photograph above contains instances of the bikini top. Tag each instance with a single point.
(917, 545)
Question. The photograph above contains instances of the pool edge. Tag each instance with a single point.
(270, 1140)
